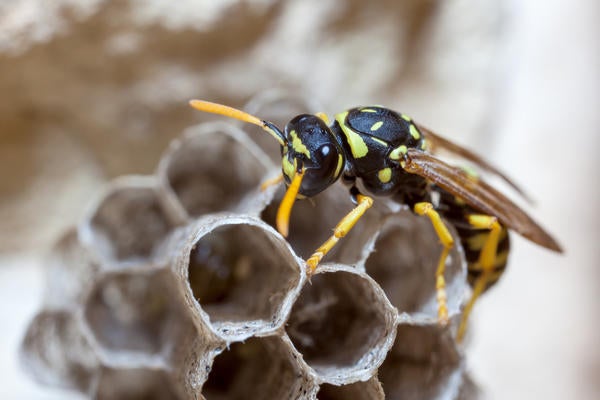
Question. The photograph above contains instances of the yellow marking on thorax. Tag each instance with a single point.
(397, 153)
(381, 142)
(384, 175)
(414, 132)
(405, 117)
(459, 201)
(297, 144)
(369, 110)
(376, 125)
(358, 146)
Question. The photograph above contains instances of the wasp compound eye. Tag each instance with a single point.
(322, 170)
(327, 157)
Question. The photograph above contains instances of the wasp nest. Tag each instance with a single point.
(177, 286)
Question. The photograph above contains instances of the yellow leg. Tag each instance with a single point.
(341, 230)
(443, 233)
(487, 261)
(271, 182)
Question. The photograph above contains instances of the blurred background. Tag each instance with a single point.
(93, 89)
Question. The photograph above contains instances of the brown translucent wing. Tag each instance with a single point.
(440, 142)
(478, 195)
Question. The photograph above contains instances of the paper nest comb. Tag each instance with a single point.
(176, 286)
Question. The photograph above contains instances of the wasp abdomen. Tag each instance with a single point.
(473, 239)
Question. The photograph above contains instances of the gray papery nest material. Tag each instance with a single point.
(177, 286)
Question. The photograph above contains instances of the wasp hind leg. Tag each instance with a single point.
(341, 230)
(426, 208)
(486, 264)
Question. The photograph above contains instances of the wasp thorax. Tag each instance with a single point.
(310, 145)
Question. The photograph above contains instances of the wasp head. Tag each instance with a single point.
(311, 148)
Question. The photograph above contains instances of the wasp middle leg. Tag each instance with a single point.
(426, 208)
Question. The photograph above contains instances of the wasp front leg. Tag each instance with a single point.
(426, 208)
(341, 230)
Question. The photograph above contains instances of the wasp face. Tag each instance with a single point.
(311, 147)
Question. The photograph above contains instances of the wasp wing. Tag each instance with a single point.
(437, 141)
(478, 195)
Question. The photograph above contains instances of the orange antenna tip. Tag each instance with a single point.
(227, 111)
(215, 108)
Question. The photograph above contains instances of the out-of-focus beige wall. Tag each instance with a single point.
(536, 335)
(93, 89)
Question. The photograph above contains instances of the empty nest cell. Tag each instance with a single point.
(214, 167)
(260, 369)
(242, 274)
(404, 263)
(342, 325)
(135, 316)
(128, 222)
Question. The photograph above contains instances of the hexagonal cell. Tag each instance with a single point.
(135, 317)
(404, 263)
(369, 390)
(136, 384)
(342, 324)
(279, 107)
(312, 222)
(56, 353)
(128, 222)
(239, 274)
(424, 364)
(70, 273)
(259, 368)
(215, 167)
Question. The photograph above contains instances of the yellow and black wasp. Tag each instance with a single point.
(392, 156)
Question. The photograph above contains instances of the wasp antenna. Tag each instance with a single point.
(215, 108)
(285, 207)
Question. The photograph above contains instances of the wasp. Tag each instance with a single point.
(392, 155)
